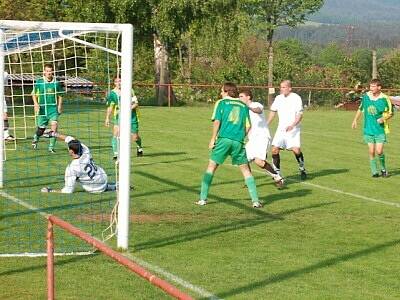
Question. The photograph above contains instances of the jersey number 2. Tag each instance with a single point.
(91, 169)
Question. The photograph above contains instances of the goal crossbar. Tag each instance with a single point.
(118, 257)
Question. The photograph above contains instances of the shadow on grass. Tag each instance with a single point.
(42, 267)
(309, 269)
(222, 228)
(311, 175)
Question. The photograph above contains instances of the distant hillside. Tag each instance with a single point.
(355, 23)
(358, 12)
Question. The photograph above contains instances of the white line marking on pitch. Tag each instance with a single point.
(169, 276)
(342, 192)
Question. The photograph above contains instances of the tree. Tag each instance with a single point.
(276, 13)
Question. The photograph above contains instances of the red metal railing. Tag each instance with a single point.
(52, 220)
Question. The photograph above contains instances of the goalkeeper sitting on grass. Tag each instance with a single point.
(81, 169)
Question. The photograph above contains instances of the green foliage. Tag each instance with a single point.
(389, 70)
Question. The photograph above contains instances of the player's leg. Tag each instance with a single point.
(300, 161)
(41, 123)
(372, 160)
(114, 141)
(218, 155)
(7, 136)
(265, 165)
(52, 140)
(239, 158)
(381, 158)
(136, 138)
(276, 159)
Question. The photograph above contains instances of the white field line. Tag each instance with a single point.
(342, 192)
(198, 290)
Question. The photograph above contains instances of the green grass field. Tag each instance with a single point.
(334, 236)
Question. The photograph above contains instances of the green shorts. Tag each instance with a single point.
(134, 127)
(375, 139)
(43, 120)
(225, 147)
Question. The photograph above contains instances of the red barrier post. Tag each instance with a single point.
(50, 261)
(165, 286)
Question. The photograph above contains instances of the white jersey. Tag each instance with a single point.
(83, 169)
(259, 136)
(259, 127)
(287, 108)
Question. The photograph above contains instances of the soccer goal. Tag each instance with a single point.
(84, 58)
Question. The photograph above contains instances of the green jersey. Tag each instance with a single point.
(374, 110)
(113, 101)
(47, 93)
(234, 117)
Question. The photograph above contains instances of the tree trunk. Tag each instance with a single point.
(374, 65)
(164, 93)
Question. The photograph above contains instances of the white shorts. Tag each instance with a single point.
(287, 140)
(258, 148)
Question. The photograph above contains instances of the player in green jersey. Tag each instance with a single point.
(113, 102)
(377, 110)
(231, 123)
(47, 102)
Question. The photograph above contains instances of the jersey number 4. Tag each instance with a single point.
(91, 169)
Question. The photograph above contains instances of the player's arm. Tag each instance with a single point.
(69, 185)
(356, 117)
(297, 121)
(60, 102)
(108, 114)
(215, 130)
(271, 116)
(35, 100)
(135, 102)
(257, 110)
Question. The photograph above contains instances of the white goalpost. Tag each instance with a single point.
(25, 47)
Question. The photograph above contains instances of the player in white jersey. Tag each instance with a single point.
(289, 107)
(6, 136)
(259, 138)
(82, 169)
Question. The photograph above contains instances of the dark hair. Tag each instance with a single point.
(247, 92)
(376, 81)
(75, 146)
(50, 66)
(231, 89)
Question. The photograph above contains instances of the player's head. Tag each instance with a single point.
(229, 89)
(48, 71)
(285, 87)
(245, 95)
(375, 86)
(117, 82)
(75, 148)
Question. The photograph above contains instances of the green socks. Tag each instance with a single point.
(372, 164)
(382, 161)
(251, 185)
(139, 142)
(114, 145)
(52, 142)
(205, 185)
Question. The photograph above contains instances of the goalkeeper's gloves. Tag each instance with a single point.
(48, 133)
(46, 189)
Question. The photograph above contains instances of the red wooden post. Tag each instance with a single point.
(50, 261)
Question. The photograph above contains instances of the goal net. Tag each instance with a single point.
(83, 59)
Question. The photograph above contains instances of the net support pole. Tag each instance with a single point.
(125, 136)
(50, 261)
(2, 98)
